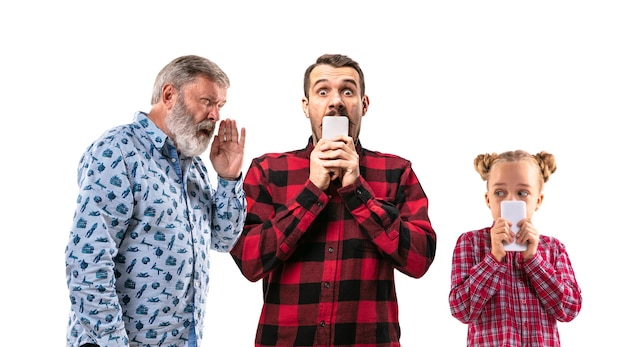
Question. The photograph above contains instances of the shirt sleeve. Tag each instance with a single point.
(229, 214)
(399, 225)
(271, 234)
(474, 281)
(104, 207)
(555, 283)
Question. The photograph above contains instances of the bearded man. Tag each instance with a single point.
(147, 215)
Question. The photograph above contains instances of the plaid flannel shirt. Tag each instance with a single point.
(327, 259)
(514, 302)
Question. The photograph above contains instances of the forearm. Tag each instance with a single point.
(95, 305)
(556, 287)
(270, 237)
(472, 289)
(229, 214)
(402, 231)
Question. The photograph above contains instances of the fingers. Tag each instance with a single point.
(318, 174)
(242, 136)
(527, 233)
(337, 150)
(340, 142)
(501, 232)
(228, 131)
(340, 159)
(530, 236)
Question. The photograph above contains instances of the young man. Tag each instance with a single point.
(327, 226)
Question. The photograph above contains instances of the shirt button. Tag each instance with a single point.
(330, 250)
(319, 204)
(327, 284)
(173, 160)
(322, 324)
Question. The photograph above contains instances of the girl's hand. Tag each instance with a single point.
(500, 234)
(528, 235)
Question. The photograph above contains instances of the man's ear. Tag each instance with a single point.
(169, 95)
(305, 106)
(366, 104)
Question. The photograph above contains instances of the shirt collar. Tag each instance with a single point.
(156, 135)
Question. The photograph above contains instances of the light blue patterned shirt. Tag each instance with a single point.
(137, 260)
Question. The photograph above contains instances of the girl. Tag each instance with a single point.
(513, 298)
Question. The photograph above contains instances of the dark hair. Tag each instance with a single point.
(335, 60)
(184, 70)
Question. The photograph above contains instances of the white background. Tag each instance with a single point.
(447, 80)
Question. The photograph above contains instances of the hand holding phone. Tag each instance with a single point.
(513, 211)
(333, 126)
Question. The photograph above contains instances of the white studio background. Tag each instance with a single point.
(447, 80)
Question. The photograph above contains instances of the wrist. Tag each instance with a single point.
(228, 178)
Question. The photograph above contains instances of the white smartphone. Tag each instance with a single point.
(333, 126)
(513, 211)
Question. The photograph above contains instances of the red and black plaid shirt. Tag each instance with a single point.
(327, 259)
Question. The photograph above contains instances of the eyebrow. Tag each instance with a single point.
(347, 80)
(497, 184)
(214, 102)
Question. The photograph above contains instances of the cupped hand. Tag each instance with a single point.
(227, 150)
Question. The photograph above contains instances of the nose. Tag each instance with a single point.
(214, 114)
(336, 101)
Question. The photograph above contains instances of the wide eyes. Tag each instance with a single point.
(344, 92)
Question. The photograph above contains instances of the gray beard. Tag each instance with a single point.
(189, 138)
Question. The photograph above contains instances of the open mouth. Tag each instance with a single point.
(206, 129)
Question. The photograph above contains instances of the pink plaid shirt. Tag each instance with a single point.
(513, 302)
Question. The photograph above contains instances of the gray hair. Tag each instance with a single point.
(183, 70)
